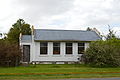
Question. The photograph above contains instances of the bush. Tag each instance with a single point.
(103, 53)
(9, 54)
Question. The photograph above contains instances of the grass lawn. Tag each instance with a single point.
(57, 71)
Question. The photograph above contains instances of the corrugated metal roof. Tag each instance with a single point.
(63, 35)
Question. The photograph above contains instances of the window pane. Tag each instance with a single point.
(56, 44)
(81, 44)
(68, 44)
(43, 50)
(43, 43)
(43, 47)
(56, 48)
(68, 48)
(80, 50)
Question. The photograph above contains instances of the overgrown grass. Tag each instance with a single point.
(58, 70)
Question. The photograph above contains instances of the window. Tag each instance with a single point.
(68, 48)
(43, 47)
(81, 47)
(56, 48)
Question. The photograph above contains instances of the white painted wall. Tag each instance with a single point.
(50, 57)
(35, 52)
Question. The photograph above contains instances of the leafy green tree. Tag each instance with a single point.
(103, 53)
(19, 27)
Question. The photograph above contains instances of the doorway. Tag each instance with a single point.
(26, 53)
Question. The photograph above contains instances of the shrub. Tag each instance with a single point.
(103, 53)
(9, 54)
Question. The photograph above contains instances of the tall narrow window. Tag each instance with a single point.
(56, 48)
(81, 47)
(43, 47)
(68, 48)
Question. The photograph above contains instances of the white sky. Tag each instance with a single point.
(61, 14)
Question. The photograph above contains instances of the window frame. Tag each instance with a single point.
(81, 46)
(44, 47)
(56, 46)
(67, 47)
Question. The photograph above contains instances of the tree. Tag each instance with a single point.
(19, 27)
(89, 29)
(10, 54)
(0, 34)
(103, 53)
(111, 34)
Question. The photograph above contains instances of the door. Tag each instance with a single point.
(26, 53)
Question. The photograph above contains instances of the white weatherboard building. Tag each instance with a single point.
(56, 46)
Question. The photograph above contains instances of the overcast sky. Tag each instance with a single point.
(61, 14)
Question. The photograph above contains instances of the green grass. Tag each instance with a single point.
(60, 70)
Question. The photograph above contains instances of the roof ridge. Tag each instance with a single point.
(62, 30)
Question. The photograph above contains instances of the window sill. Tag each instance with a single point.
(43, 55)
(56, 55)
(69, 55)
(80, 54)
